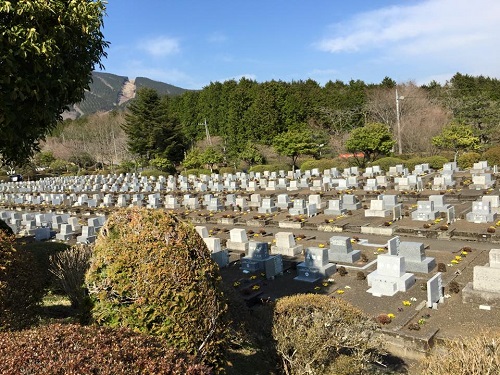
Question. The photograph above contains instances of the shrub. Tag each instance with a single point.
(436, 162)
(364, 258)
(441, 267)
(412, 162)
(492, 155)
(196, 172)
(360, 275)
(321, 164)
(467, 160)
(387, 162)
(73, 349)
(20, 285)
(313, 331)
(69, 268)
(227, 170)
(153, 173)
(383, 319)
(454, 287)
(148, 272)
(270, 167)
(471, 355)
(342, 271)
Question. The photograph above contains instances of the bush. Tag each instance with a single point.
(314, 331)
(58, 166)
(21, 287)
(454, 287)
(321, 164)
(436, 162)
(196, 172)
(73, 349)
(472, 355)
(467, 160)
(153, 173)
(441, 267)
(69, 267)
(387, 162)
(342, 271)
(360, 275)
(492, 155)
(223, 170)
(270, 167)
(153, 273)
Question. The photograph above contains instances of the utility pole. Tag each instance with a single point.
(209, 140)
(398, 122)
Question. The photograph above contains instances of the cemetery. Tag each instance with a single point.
(421, 261)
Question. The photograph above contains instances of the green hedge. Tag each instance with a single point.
(321, 164)
(492, 155)
(467, 160)
(270, 167)
(387, 162)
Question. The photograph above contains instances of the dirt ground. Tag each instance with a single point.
(451, 319)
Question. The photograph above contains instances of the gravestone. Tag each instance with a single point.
(335, 208)
(238, 240)
(267, 206)
(485, 286)
(341, 250)
(285, 245)
(315, 266)
(390, 276)
(435, 293)
(260, 260)
(415, 259)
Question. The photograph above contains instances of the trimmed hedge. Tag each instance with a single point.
(467, 160)
(321, 164)
(492, 155)
(387, 162)
(270, 167)
(73, 349)
(153, 273)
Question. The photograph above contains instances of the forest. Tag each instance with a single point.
(240, 124)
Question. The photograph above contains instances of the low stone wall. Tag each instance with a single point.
(408, 346)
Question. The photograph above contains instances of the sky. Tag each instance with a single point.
(191, 43)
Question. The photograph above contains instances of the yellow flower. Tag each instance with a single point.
(325, 284)
(406, 303)
(256, 235)
(331, 220)
(317, 288)
(391, 316)
(236, 284)
(256, 287)
(321, 245)
(464, 252)
(380, 249)
(454, 261)
(458, 257)
(253, 277)
(340, 291)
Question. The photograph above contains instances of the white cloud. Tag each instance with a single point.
(160, 46)
(428, 37)
(427, 26)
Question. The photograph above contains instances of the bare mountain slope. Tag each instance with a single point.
(109, 91)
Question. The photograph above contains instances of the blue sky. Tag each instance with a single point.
(190, 43)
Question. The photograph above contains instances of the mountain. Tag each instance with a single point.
(110, 91)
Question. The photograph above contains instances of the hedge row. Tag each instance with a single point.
(74, 349)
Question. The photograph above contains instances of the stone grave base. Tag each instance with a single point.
(480, 297)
